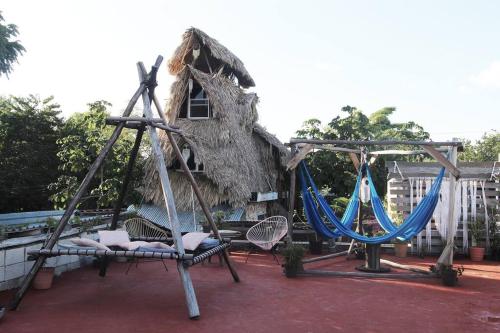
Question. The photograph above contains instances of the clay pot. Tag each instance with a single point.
(401, 249)
(43, 279)
(476, 253)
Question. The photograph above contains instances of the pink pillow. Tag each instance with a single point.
(89, 243)
(113, 237)
(191, 240)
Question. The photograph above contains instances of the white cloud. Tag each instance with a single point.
(489, 77)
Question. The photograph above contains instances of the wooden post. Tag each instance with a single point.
(196, 190)
(161, 168)
(446, 258)
(291, 206)
(76, 199)
(128, 173)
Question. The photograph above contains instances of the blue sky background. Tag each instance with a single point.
(438, 63)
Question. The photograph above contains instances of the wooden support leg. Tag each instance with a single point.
(291, 206)
(128, 173)
(161, 168)
(187, 283)
(196, 190)
(74, 202)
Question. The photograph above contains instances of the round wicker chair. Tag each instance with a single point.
(267, 233)
(138, 228)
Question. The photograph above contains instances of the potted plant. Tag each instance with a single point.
(449, 275)
(494, 234)
(400, 245)
(45, 276)
(293, 255)
(219, 218)
(3, 233)
(477, 230)
(205, 225)
(315, 244)
(400, 248)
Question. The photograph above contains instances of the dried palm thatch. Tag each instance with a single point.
(217, 55)
(238, 155)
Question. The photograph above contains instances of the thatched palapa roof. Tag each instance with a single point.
(239, 156)
(217, 54)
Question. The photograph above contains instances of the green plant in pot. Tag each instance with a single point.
(219, 218)
(400, 245)
(3, 233)
(449, 275)
(494, 234)
(293, 255)
(478, 231)
(315, 244)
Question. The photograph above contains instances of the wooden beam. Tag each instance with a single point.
(405, 267)
(115, 120)
(126, 179)
(442, 160)
(377, 142)
(304, 149)
(355, 160)
(291, 205)
(403, 152)
(318, 272)
(328, 256)
(75, 200)
(299, 155)
(196, 189)
(161, 168)
(446, 257)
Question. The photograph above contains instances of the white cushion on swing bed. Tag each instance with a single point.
(192, 240)
(113, 237)
(132, 246)
(87, 242)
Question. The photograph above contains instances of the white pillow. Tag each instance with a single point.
(131, 246)
(113, 237)
(89, 243)
(191, 240)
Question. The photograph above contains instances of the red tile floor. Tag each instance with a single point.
(149, 299)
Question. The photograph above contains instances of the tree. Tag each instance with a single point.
(334, 172)
(483, 150)
(83, 137)
(29, 129)
(10, 49)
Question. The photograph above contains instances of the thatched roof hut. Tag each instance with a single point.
(232, 156)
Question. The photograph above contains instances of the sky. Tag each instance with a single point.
(437, 62)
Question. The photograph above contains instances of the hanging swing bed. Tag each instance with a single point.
(326, 224)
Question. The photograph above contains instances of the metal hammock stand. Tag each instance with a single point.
(372, 267)
(141, 124)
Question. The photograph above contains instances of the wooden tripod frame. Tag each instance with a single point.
(147, 122)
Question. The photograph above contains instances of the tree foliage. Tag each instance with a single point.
(83, 137)
(29, 129)
(334, 171)
(484, 150)
(10, 49)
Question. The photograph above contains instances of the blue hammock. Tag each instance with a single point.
(413, 224)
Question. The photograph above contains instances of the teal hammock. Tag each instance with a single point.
(315, 206)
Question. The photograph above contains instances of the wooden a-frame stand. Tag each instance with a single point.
(372, 267)
(147, 122)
